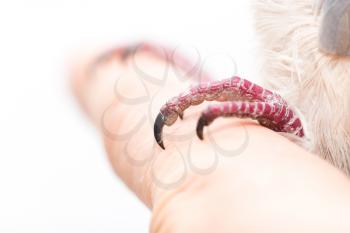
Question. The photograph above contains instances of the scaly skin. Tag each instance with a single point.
(247, 100)
(243, 98)
(276, 116)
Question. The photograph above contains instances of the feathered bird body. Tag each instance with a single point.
(314, 82)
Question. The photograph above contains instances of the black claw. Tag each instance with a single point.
(200, 126)
(158, 129)
(181, 115)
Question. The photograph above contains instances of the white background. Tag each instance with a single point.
(54, 176)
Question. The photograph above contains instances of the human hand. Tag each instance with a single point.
(270, 186)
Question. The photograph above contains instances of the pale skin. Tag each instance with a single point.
(273, 186)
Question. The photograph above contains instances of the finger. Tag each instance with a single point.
(127, 126)
(141, 164)
(129, 143)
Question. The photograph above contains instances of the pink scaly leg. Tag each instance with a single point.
(275, 116)
(233, 89)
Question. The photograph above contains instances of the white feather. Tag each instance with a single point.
(314, 83)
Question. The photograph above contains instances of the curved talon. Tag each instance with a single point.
(243, 98)
(231, 89)
(277, 117)
(181, 115)
(202, 121)
(158, 130)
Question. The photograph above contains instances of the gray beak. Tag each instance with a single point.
(334, 35)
